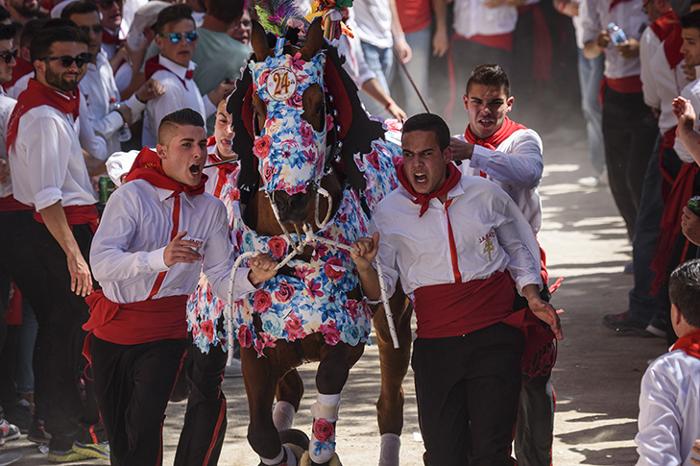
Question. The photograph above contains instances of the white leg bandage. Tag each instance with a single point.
(273, 461)
(325, 414)
(389, 450)
(283, 415)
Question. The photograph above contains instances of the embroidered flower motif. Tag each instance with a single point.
(278, 247)
(285, 292)
(207, 328)
(334, 268)
(263, 341)
(323, 430)
(330, 332)
(313, 287)
(294, 327)
(261, 147)
(245, 336)
(261, 300)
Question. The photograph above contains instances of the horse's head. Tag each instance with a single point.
(289, 120)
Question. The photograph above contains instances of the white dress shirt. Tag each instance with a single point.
(416, 249)
(176, 97)
(46, 161)
(7, 104)
(669, 410)
(473, 17)
(630, 16)
(20, 85)
(99, 90)
(667, 84)
(516, 166)
(127, 251)
(692, 93)
(649, 44)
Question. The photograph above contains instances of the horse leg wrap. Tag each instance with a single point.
(274, 461)
(283, 415)
(389, 451)
(325, 413)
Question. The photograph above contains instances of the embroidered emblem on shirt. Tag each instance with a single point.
(487, 242)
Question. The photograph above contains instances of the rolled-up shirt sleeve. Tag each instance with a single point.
(219, 259)
(590, 20)
(110, 259)
(522, 166)
(47, 168)
(516, 237)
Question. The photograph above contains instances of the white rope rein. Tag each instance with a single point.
(309, 237)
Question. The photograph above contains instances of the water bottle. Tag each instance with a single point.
(617, 35)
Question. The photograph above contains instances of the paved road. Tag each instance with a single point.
(597, 375)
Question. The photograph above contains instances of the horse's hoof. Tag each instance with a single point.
(295, 437)
(306, 461)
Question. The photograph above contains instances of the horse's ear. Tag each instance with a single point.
(314, 40)
(258, 40)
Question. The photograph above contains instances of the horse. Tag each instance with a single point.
(307, 151)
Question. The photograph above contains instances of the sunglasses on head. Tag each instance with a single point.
(66, 60)
(8, 55)
(95, 28)
(176, 37)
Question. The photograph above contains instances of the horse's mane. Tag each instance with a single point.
(356, 130)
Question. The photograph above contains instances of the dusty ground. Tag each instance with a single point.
(597, 374)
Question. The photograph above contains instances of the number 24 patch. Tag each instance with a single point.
(281, 84)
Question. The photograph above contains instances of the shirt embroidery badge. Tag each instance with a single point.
(488, 245)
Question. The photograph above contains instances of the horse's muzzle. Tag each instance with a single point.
(293, 208)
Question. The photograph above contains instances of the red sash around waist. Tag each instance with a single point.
(78, 215)
(10, 204)
(626, 85)
(136, 323)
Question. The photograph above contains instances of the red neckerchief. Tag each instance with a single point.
(22, 68)
(37, 95)
(690, 344)
(423, 200)
(148, 166)
(664, 25)
(492, 142)
(672, 47)
(110, 38)
(225, 168)
(153, 64)
(614, 3)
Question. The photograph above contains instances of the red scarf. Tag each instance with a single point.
(423, 200)
(153, 64)
(672, 47)
(614, 3)
(492, 142)
(149, 167)
(110, 38)
(689, 343)
(223, 169)
(37, 95)
(664, 25)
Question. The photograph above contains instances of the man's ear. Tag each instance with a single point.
(676, 315)
(158, 39)
(447, 154)
(40, 67)
(465, 99)
(509, 102)
(162, 151)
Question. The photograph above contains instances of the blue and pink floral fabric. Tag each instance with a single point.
(291, 153)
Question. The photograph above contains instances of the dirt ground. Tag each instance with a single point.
(597, 375)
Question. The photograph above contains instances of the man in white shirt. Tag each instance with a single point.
(108, 117)
(49, 174)
(160, 230)
(629, 128)
(669, 401)
(176, 37)
(466, 358)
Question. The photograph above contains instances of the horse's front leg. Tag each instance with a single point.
(331, 376)
(260, 376)
(393, 364)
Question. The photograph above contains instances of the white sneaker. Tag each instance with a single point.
(592, 181)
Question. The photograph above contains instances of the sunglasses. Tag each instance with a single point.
(95, 28)
(176, 37)
(8, 55)
(66, 60)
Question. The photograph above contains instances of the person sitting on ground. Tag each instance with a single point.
(669, 402)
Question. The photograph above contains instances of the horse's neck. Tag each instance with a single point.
(260, 218)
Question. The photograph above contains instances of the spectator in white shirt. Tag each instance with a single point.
(176, 37)
(108, 116)
(669, 402)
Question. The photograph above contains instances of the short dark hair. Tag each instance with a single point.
(172, 14)
(691, 20)
(226, 11)
(30, 30)
(429, 122)
(182, 117)
(79, 7)
(684, 291)
(7, 31)
(489, 75)
(55, 30)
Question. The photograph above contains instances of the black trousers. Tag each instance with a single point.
(68, 396)
(535, 426)
(205, 419)
(133, 385)
(467, 390)
(629, 134)
(20, 262)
